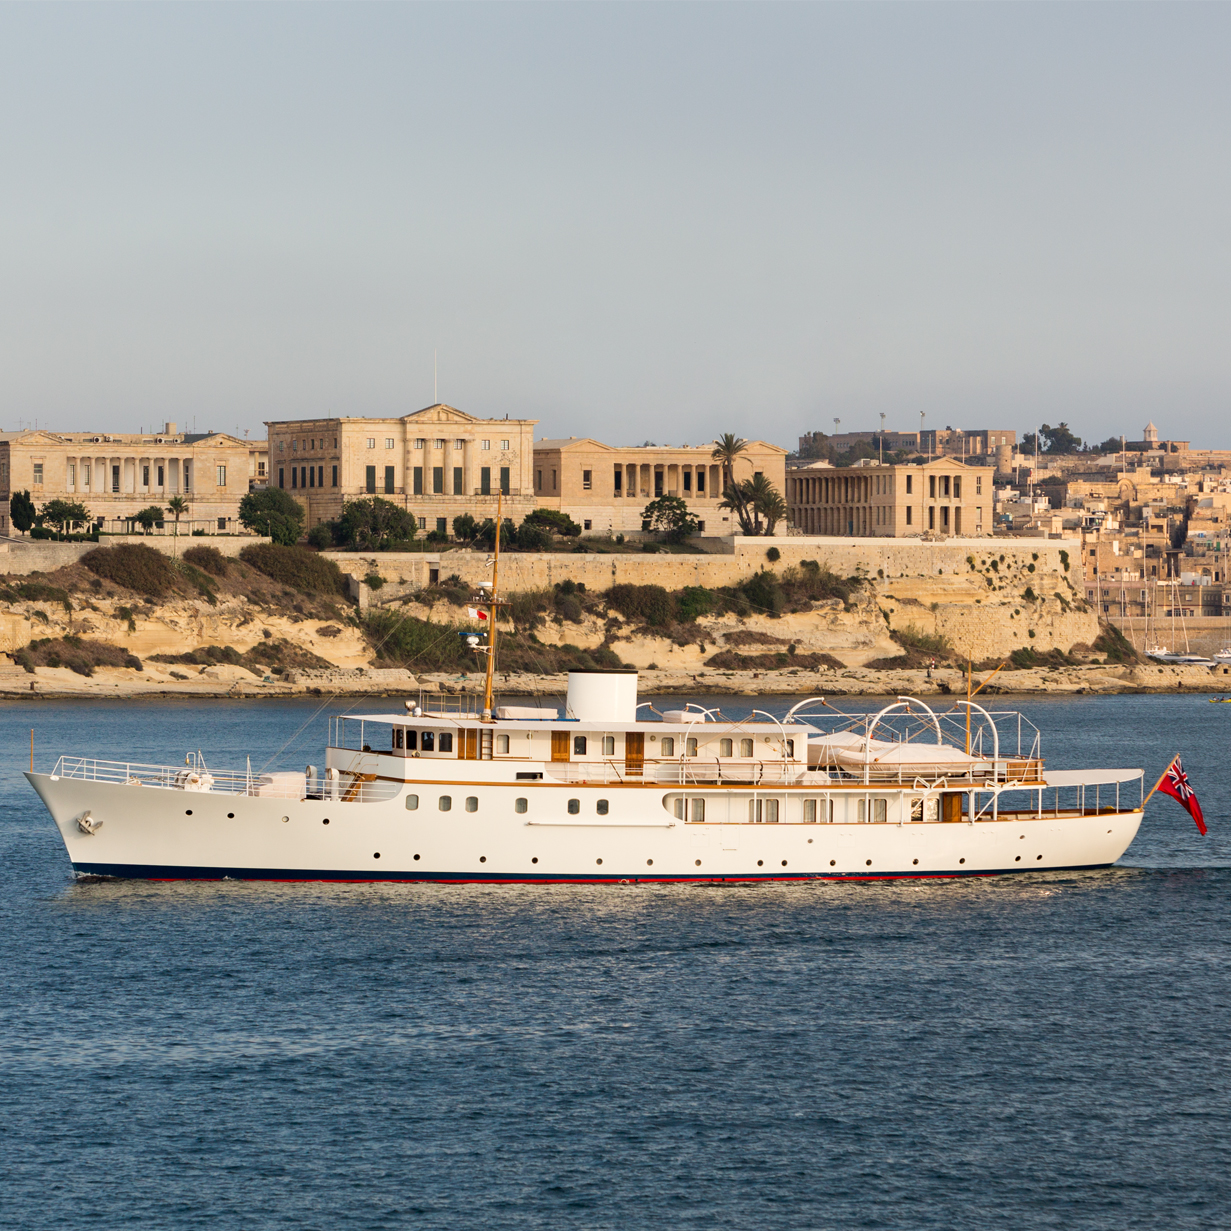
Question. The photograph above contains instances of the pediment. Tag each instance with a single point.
(440, 413)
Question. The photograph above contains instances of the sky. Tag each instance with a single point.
(633, 221)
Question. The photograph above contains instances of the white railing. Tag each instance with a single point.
(345, 788)
(690, 772)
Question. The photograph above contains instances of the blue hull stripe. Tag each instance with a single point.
(141, 871)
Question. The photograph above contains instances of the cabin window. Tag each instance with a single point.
(608, 745)
(874, 810)
(397, 737)
(519, 805)
(446, 741)
(679, 809)
(745, 748)
(412, 738)
(446, 803)
(502, 743)
(790, 748)
(698, 810)
(602, 807)
(574, 807)
(668, 746)
(763, 811)
(429, 741)
(690, 746)
(724, 747)
(810, 811)
(579, 745)
(412, 803)
(472, 803)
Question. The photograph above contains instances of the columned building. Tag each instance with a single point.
(435, 463)
(942, 498)
(116, 474)
(605, 489)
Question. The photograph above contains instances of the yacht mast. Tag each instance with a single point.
(491, 615)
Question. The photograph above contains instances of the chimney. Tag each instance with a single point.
(171, 429)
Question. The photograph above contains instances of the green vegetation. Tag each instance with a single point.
(296, 567)
(669, 516)
(210, 559)
(1113, 644)
(373, 524)
(651, 605)
(147, 518)
(63, 515)
(21, 511)
(273, 512)
(274, 654)
(554, 522)
(74, 653)
(133, 566)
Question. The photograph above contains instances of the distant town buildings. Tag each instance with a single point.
(117, 474)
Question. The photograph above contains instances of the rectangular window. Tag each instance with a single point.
(458, 490)
(504, 444)
(187, 472)
(810, 811)
(931, 487)
(429, 741)
(504, 480)
(944, 482)
(553, 480)
(909, 483)
(281, 477)
(369, 480)
(585, 525)
(222, 523)
(745, 748)
(579, 745)
(311, 476)
(602, 806)
(688, 480)
(438, 480)
(910, 515)
(420, 443)
(334, 483)
(371, 442)
(931, 517)
(459, 444)
(724, 747)
(390, 484)
(697, 811)
(162, 472)
(586, 477)
(957, 487)
(700, 481)
(442, 525)
(502, 745)
(423, 526)
(85, 473)
(389, 442)
(619, 480)
(944, 517)
(608, 745)
(978, 485)
(485, 444)
(690, 746)
(320, 476)
(72, 475)
(38, 473)
(446, 741)
(763, 811)
(485, 480)
(145, 476)
(417, 481)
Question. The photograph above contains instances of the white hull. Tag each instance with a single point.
(168, 833)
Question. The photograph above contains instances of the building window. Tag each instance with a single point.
(442, 525)
(335, 477)
(688, 480)
(280, 444)
(504, 480)
(504, 444)
(422, 523)
(619, 480)
(222, 523)
(438, 480)
(436, 444)
(700, 482)
(957, 487)
(586, 480)
(311, 476)
(369, 480)
(72, 475)
(281, 477)
(459, 444)
(390, 486)
(944, 484)
(222, 476)
(115, 477)
(931, 487)
(553, 480)
(457, 481)
(371, 442)
(909, 483)
(162, 473)
(38, 474)
(485, 444)
(145, 476)
(417, 481)
(294, 446)
(586, 524)
(485, 480)
(388, 442)
(931, 517)
(910, 513)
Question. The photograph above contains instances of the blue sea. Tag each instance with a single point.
(1045, 1051)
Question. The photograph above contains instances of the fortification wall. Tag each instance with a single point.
(45, 556)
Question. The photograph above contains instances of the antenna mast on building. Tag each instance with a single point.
(435, 382)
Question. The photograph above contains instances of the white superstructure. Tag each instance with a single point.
(522, 794)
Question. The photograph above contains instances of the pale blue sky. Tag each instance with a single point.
(628, 221)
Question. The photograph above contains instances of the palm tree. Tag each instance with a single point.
(766, 501)
(178, 506)
(733, 498)
(727, 448)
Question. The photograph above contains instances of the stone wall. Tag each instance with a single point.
(45, 555)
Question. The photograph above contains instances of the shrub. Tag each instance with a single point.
(652, 604)
(694, 601)
(372, 524)
(465, 527)
(417, 644)
(208, 558)
(374, 581)
(773, 555)
(274, 512)
(554, 522)
(764, 592)
(912, 638)
(133, 566)
(321, 536)
(296, 567)
(1113, 644)
(533, 537)
(75, 653)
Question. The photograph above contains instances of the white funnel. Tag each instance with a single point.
(602, 696)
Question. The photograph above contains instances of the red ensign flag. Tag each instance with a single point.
(1175, 783)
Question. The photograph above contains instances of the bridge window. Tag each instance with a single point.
(668, 746)
(502, 743)
(724, 747)
(446, 741)
(579, 745)
(745, 748)
(429, 741)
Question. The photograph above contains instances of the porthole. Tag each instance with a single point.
(482, 858)
(446, 803)
(188, 812)
(231, 817)
(472, 803)
(416, 857)
(535, 859)
(325, 821)
(869, 863)
(598, 861)
(412, 803)
(602, 807)
(698, 863)
(1038, 856)
(376, 854)
(574, 807)
(649, 863)
(760, 862)
(1018, 859)
(519, 805)
(832, 862)
(914, 861)
(961, 861)
(285, 819)
(784, 863)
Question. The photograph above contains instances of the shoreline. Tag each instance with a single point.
(48, 683)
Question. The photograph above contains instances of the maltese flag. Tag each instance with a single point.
(475, 614)
(1175, 783)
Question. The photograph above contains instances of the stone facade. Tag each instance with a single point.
(605, 489)
(436, 463)
(115, 475)
(942, 497)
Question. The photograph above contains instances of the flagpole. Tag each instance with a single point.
(1159, 783)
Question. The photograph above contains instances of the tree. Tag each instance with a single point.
(148, 517)
(177, 506)
(766, 501)
(21, 511)
(1059, 439)
(669, 516)
(553, 521)
(1111, 445)
(487, 533)
(465, 528)
(274, 512)
(64, 514)
(372, 523)
(727, 450)
(734, 499)
(532, 536)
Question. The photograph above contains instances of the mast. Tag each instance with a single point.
(491, 615)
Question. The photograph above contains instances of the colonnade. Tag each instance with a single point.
(131, 474)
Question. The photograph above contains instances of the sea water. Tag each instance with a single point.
(1038, 1051)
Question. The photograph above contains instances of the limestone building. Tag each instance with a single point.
(605, 489)
(435, 463)
(941, 497)
(116, 474)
